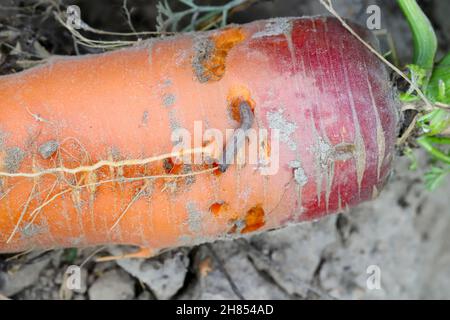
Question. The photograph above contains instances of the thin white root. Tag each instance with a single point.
(94, 184)
(22, 214)
(37, 117)
(91, 255)
(33, 216)
(4, 194)
(19, 255)
(104, 163)
(129, 205)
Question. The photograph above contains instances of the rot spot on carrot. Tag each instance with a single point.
(210, 60)
(233, 229)
(218, 208)
(170, 167)
(254, 219)
(216, 172)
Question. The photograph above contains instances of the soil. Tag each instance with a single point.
(403, 236)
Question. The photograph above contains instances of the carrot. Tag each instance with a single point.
(91, 147)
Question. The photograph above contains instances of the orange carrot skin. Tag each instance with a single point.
(328, 96)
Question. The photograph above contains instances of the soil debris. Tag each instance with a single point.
(13, 158)
(47, 149)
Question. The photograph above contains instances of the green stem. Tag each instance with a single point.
(426, 143)
(439, 140)
(424, 38)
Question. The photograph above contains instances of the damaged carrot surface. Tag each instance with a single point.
(87, 150)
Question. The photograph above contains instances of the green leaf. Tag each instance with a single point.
(424, 38)
(167, 19)
(438, 154)
(434, 122)
(418, 76)
(439, 86)
(70, 255)
(434, 177)
(412, 157)
(407, 97)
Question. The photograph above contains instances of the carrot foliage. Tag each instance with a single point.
(434, 80)
(200, 17)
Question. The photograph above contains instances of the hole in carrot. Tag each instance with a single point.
(170, 167)
(236, 96)
(216, 172)
(233, 229)
(218, 208)
(254, 219)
